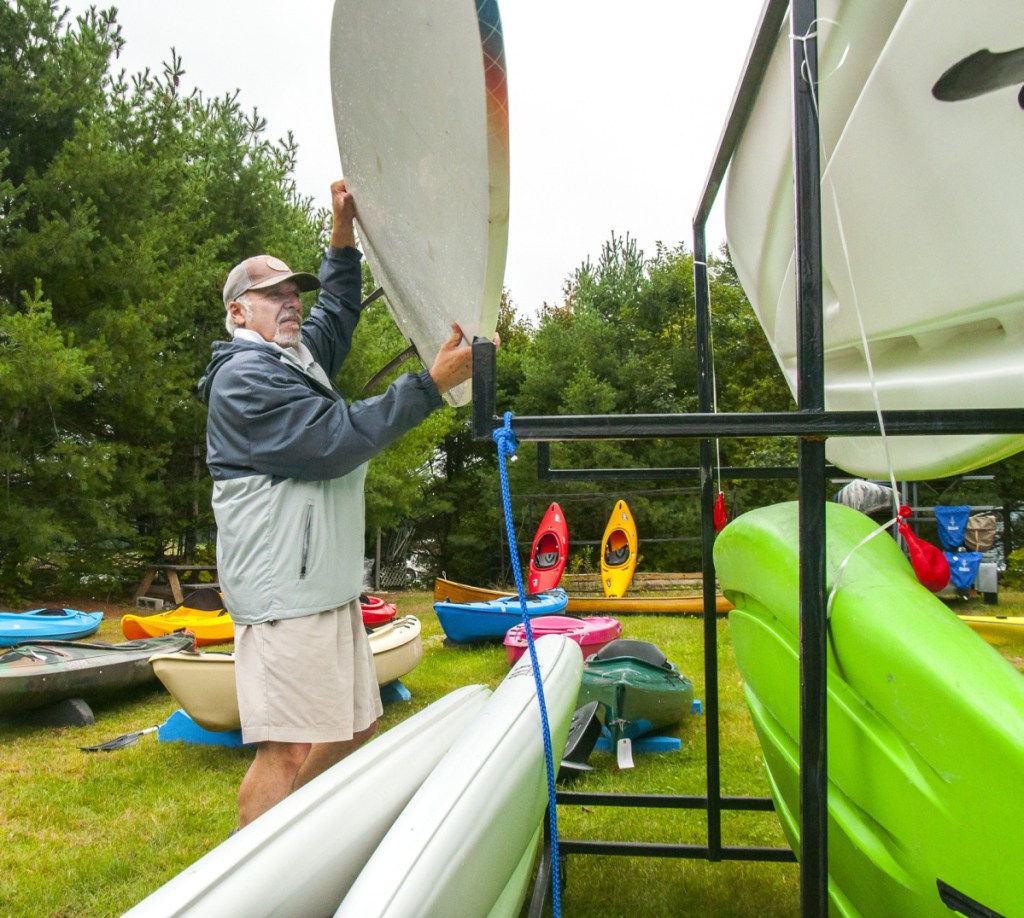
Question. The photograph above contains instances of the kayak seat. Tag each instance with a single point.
(204, 599)
(640, 650)
(617, 556)
(544, 560)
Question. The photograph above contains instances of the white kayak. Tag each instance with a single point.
(421, 114)
(299, 858)
(921, 134)
(465, 843)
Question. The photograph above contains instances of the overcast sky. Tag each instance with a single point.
(615, 108)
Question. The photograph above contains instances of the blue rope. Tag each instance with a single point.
(507, 443)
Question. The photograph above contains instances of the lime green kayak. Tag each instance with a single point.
(925, 722)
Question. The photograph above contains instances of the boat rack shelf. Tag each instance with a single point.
(810, 425)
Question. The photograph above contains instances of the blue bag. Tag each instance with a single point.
(963, 568)
(952, 523)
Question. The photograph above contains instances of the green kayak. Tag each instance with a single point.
(925, 722)
(638, 689)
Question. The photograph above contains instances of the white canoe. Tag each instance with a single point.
(465, 843)
(421, 114)
(203, 682)
(930, 195)
(299, 858)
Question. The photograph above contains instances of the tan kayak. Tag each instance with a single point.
(450, 591)
(204, 683)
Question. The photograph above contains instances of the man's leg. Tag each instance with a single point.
(270, 778)
(323, 755)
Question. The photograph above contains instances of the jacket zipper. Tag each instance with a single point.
(307, 534)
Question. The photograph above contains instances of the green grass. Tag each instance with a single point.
(93, 833)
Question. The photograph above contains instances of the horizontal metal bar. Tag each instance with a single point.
(693, 852)
(813, 424)
(729, 472)
(663, 801)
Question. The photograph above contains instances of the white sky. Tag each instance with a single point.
(615, 108)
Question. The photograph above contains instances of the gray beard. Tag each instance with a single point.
(288, 339)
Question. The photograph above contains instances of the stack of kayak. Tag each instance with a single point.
(40, 673)
(47, 625)
(204, 683)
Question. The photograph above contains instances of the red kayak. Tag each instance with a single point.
(550, 551)
(375, 611)
(590, 633)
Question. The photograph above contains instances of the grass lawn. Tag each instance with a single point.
(93, 833)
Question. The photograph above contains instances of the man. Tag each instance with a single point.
(288, 458)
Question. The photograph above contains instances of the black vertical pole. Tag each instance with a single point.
(705, 403)
(810, 398)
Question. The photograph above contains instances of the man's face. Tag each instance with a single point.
(275, 313)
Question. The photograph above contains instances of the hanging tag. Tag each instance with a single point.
(624, 753)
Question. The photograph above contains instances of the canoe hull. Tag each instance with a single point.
(292, 861)
(925, 721)
(939, 337)
(456, 850)
(80, 670)
(452, 591)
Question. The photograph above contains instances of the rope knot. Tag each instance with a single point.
(505, 438)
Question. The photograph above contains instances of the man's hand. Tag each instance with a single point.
(454, 362)
(343, 234)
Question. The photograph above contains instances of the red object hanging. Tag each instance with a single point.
(929, 563)
(721, 515)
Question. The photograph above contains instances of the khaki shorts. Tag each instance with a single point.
(306, 680)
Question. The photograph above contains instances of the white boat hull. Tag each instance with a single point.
(299, 858)
(460, 846)
(922, 217)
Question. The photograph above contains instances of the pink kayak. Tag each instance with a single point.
(590, 633)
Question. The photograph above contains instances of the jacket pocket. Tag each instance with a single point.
(307, 539)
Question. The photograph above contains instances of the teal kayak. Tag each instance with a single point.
(638, 689)
(47, 625)
(925, 721)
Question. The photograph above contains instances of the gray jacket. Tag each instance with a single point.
(288, 458)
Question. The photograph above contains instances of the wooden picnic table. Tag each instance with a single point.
(173, 575)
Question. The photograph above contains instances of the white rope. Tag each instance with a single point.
(872, 380)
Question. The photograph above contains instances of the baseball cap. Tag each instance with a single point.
(263, 271)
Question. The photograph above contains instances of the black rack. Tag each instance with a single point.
(810, 424)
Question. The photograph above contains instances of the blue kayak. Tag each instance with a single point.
(47, 625)
(464, 622)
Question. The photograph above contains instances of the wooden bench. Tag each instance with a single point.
(171, 576)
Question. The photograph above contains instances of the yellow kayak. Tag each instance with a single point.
(618, 552)
(203, 614)
(997, 629)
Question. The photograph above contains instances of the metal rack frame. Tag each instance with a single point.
(810, 424)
